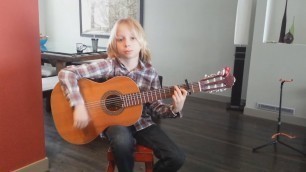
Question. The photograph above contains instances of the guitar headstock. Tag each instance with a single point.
(218, 82)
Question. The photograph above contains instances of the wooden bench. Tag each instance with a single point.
(48, 84)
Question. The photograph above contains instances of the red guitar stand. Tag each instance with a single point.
(276, 136)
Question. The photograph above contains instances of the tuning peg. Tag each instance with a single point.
(223, 71)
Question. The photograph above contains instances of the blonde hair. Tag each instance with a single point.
(138, 31)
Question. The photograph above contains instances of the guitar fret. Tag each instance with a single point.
(126, 101)
(131, 96)
(129, 101)
(160, 93)
(122, 99)
(137, 99)
(192, 88)
(144, 96)
(148, 96)
(133, 99)
(200, 88)
(155, 95)
(151, 95)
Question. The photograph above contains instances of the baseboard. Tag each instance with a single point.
(38, 166)
(273, 116)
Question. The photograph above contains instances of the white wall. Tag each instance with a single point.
(275, 12)
(187, 38)
(190, 38)
(269, 63)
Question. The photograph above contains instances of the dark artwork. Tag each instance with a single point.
(283, 27)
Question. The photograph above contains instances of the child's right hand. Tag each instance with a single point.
(80, 117)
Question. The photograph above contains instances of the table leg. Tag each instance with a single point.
(60, 65)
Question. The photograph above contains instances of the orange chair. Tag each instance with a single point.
(142, 154)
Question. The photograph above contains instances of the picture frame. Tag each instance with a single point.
(97, 17)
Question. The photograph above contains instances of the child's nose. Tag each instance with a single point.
(127, 42)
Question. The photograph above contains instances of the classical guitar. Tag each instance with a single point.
(118, 101)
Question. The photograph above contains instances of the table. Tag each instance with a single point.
(60, 58)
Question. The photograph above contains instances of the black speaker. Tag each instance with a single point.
(236, 103)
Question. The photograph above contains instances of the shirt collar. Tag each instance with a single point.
(141, 65)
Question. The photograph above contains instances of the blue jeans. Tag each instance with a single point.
(122, 141)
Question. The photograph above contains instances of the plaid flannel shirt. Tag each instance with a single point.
(144, 76)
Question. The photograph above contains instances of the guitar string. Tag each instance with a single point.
(127, 98)
(131, 99)
(137, 96)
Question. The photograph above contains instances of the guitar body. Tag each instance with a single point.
(100, 100)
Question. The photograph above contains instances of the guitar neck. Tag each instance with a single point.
(158, 94)
(212, 83)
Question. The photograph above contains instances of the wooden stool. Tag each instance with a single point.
(142, 154)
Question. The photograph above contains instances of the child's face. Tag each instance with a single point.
(127, 44)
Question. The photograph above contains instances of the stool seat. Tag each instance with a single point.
(141, 154)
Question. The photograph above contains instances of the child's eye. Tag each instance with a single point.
(133, 38)
(119, 39)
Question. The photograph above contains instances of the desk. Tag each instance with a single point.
(60, 58)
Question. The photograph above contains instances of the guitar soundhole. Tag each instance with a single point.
(112, 103)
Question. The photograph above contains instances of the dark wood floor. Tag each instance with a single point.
(213, 139)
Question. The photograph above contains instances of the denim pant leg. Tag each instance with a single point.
(171, 158)
(122, 144)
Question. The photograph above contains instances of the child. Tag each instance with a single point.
(129, 56)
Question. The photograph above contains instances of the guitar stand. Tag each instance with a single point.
(276, 136)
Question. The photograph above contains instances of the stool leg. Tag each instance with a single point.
(48, 103)
(149, 166)
(111, 166)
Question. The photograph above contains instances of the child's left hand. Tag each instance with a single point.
(178, 98)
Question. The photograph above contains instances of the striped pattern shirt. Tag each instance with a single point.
(145, 76)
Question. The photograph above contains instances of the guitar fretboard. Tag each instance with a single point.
(158, 94)
(208, 84)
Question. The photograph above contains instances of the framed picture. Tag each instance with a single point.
(97, 17)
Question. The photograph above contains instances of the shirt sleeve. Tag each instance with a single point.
(70, 75)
